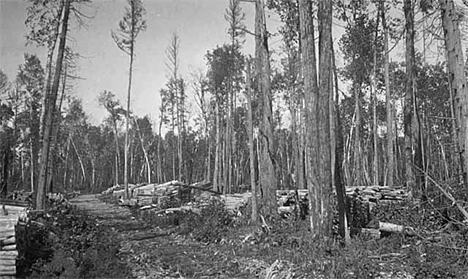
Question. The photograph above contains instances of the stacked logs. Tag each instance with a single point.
(10, 213)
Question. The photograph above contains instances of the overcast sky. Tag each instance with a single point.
(200, 24)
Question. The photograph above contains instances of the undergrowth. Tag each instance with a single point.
(69, 244)
(211, 225)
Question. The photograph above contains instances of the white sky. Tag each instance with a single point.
(200, 24)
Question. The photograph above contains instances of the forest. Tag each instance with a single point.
(361, 93)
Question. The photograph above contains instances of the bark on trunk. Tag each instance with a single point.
(408, 99)
(457, 79)
(253, 184)
(145, 153)
(325, 90)
(49, 119)
(267, 168)
(388, 102)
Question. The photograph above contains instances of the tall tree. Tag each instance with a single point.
(253, 184)
(50, 109)
(323, 119)
(235, 18)
(173, 101)
(319, 176)
(457, 79)
(262, 71)
(200, 87)
(412, 125)
(30, 86)
(388, 99)
(125, 37)
(43, 21)
(358, 46)
(309, 74)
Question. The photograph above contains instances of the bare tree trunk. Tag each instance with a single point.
(410, 123)
(358, 160)
(49, 119)
(375, 164)
(388, 102)
(457, 80)
(159, 155)
(127, 120)
(267, 168)
(55, 133)
(251, 146)
(323, 123)
(309, 73)
(208, 159)
(216, 181)
(83, 172)
(48, 73)
(338, 160)
(145, 153)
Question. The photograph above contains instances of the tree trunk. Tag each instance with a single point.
(267, 168)
(145, 153)
(50, 52)
(83, 172)
(253, 184)
(323, 123)
(388, 102)
(338, 160)
(55, 133)
(408, 110)
(457, 79)
(49, 119)
(358, 161)
(216, 181)
(309, 73)
(375, 164)
(159, 155)
(127, 114)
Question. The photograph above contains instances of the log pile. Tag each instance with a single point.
(377, 194)
(234, 202)
(10, 215)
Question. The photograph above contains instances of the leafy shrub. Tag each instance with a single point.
(79, 248)
(211, 225)
(34, 244)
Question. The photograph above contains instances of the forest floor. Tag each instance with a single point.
(99, 239)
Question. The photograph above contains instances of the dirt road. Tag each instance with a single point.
(154, 252)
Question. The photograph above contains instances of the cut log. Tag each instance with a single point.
(282, 210)
(130, 202)
(8, 241)
(176, 209)
(6, 234)
(393, 228)
(7, 262)
(9, 247)
(6, 254)
(149, 206)
(10, 269)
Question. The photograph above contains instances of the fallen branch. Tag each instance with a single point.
(393, 228)
(264, 224)
(448, 195)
